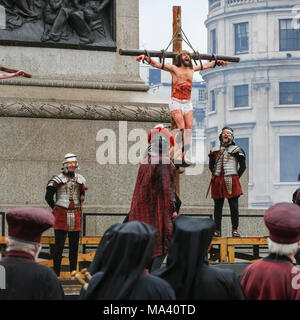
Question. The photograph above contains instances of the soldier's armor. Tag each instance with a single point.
(226, 160)
(227, 164)
(68, 189)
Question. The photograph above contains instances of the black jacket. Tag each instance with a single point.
(187, 269)
(118, 267)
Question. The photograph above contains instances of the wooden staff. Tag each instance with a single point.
(172, 54)
(8, 70)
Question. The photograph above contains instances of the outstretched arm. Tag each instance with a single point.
(167, 67)
(11, 75)
(211, 64)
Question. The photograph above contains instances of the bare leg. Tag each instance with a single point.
(178, 134)
(178, 118)
(188, 119)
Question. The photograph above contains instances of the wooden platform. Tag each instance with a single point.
(223, 249)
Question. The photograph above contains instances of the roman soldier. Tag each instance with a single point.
(227, 165)
(69, 188)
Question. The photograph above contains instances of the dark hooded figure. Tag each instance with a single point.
(119, 266)
(187, 269)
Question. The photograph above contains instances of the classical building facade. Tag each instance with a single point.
(259, 97)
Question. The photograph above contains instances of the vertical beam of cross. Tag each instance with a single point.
(177, 47)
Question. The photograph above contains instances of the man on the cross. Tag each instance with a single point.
(182, 72)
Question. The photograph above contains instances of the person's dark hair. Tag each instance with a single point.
(178, 60)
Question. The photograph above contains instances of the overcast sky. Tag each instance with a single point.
(156, 18)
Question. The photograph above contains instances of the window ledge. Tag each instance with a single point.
(241, 52)
(287, 106)
(286, 184)
(239, 108)
(210, 113)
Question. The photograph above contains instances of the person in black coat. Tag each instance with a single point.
(296, 200)
(296, 194)
(119, 266)
(187, 269)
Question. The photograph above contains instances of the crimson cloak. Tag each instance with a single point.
(153, 199)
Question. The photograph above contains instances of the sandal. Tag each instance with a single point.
(235, 234)
(217, 234)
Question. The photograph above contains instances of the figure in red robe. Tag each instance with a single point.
(275, 277)
(154, 200)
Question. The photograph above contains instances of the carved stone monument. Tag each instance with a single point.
(60, 23)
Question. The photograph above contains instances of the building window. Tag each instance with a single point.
(241, 38)
(212, 101)
(213, 4)
(199, 115)
(213, 41)
(289, 34)
(154, 76)
(202, 95)
(241, 96)
(289, 158)
(289, 93)
(212, 144)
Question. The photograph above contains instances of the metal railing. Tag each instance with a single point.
(213, 4)
(238, 2)
(2, 214)
(97, 214)
(206, 215)
(89, 214)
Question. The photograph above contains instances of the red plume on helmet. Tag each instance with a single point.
(164, 131)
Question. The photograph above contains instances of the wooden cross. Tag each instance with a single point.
(177, 47)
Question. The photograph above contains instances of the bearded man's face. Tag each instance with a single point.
(186, 60)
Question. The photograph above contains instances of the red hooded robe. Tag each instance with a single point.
(153, 199)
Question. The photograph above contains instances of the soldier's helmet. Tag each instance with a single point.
(70, 157)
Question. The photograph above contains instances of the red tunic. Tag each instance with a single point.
(153, 201)
(271, 279)
(219, 190)
(218, 186)
(61, 215)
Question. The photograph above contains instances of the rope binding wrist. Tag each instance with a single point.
(148, 56)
